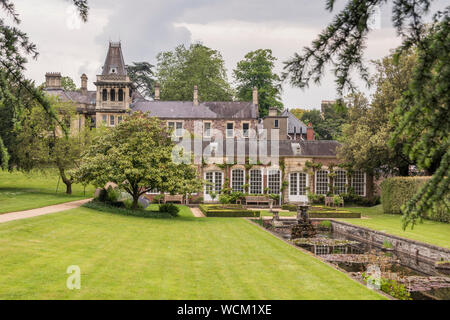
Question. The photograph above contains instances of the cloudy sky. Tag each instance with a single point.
(146, 27)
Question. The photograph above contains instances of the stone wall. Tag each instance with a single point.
(421, 251)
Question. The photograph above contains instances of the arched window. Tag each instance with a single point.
(113, 95)
(104, 95)
(120, 95)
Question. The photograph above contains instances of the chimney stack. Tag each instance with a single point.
(255, 95)
(195, 95)
(157, 92)
(53, 80)
(310, 133)
(84, 80)
(273, 112)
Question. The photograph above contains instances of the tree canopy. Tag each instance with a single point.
(15, 48)
(137, 156)
(41, 143)
(256, 70)
(143, 77)
(178, 71)
(366, 136)
(423, 112)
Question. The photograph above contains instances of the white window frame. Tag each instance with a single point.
(243, 180)
(268, 179)
(248, 130)
(210, 129)
(345, 181)
(298, 196)
(226, 129)
(250, 181)
(175, 123)
(207, 193)
(328, 182)
(364, 182)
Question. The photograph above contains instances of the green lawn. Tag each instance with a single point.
(125, 257)
(20, 191)
(432, 232)
(266, 213)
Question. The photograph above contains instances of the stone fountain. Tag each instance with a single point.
(304, 227)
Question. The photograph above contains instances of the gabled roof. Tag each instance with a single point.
(205, 110)
(294, 124)
(114, 60)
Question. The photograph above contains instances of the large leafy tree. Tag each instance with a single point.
(137, 156)
(257, 70)
(178, 71)
(424, 111)
(15, 49)
(41, 143)
(327, 124)
(68, 84)
(143, 77)
(366, 136)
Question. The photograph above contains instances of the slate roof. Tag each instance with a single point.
(205, 110)
(286, 148)
(114, 58)
(74, 96)
(294, 124)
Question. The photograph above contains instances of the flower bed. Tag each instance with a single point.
(227, 211)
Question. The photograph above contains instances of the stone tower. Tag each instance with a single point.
(113, 88)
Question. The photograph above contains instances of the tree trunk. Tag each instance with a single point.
(135, 202)
(68, 187)
(403, 170)
(68, 182)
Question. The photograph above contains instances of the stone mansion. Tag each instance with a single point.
(235, 122)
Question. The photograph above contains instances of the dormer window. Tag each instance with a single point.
(113, 70)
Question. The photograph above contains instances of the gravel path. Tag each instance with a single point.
(41, 211)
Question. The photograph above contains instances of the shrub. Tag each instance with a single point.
(234, 196)
(397, 191)
(224, 198)
(128, 203)
(290, 207)
(103, 207)
(158, 198)
(337, 200)
(227, 211)
(170, 208)
(112, 194)
(325, 225)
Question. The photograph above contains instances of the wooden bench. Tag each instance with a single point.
(174, 198)
(329, 202)
(257, 199)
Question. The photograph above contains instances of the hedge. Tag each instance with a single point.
(397, 191)
(229, 212)
(334, 214)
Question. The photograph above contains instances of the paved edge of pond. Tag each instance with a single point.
(18, 215)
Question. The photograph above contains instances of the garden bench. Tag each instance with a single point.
(174, 198)
(257, 199)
